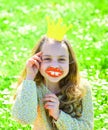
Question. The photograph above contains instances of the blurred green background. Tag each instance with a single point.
(22, 23)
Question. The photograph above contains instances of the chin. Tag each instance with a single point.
(54, 79)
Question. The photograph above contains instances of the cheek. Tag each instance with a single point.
(66, 67)
(42, 67)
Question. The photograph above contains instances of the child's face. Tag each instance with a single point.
(55, 61)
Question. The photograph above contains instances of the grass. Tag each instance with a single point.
(21, 25)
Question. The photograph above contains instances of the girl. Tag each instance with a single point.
(51, 95)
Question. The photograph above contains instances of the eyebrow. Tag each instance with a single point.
(58, 56)
(46, 55)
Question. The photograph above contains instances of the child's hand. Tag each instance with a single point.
(32, 65)
(52, 105)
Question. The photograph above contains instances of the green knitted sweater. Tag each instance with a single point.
(28, 108)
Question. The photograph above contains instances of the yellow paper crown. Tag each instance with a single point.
(57, 30)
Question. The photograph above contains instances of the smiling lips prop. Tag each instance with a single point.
(54, 72)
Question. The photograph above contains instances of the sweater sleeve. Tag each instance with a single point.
(85, 122)
(25, 104)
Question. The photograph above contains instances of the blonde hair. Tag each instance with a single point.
(71, 92)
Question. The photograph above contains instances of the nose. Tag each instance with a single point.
(55, 64)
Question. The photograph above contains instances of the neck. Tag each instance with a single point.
(53, 87)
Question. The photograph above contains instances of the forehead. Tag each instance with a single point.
(54, 48)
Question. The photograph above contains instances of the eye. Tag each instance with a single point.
(46, 59)
(62, 59)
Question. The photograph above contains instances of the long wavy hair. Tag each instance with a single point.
(71, 90)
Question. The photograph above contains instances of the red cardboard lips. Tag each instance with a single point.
(54, 72)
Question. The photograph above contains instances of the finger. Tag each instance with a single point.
(50, 104)
(51, 95)
(51, 99)
(32, 62)
(37, 64)
(39, 53)
(49, 107)
(35, 57)
(29, 62)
